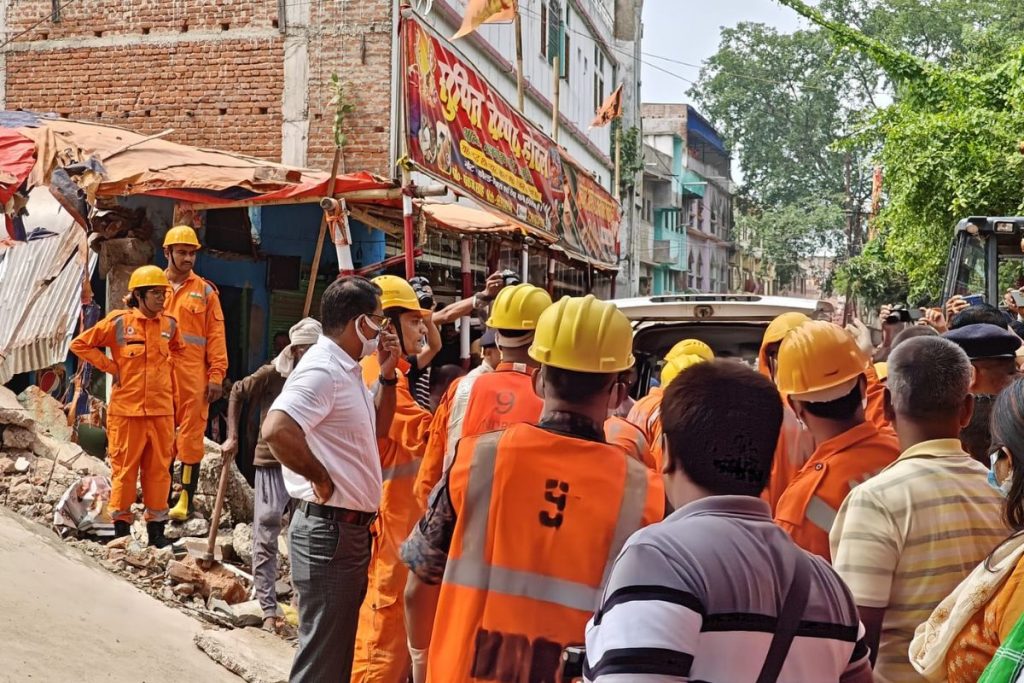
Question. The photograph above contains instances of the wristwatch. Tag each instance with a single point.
(389, 382)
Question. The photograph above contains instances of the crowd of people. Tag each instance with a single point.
(843, 511)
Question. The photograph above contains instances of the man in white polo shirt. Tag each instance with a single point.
(323, 429)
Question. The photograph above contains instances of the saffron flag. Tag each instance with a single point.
(611, 109)
(486, 12)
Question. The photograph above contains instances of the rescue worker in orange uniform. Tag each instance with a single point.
(380, 652)
(490, 400)
(513, 551)
(795, 443)
(822, 374)
(646, 413)
(199, 376)
(145, 344)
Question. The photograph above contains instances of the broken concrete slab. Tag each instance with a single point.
(192, 528)
(18, 438)
(242, 543)
(253, 654)
(47, 412)
(22, 465)
(238, 497)
(217, 581)
(12, 412)
(247, 614)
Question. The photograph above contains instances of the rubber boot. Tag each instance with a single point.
(155, 531)
(122, 528)
(189, 480)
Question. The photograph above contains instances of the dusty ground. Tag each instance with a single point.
(63, 618)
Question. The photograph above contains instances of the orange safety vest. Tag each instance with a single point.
(646, 414)
(810, 504)
(501, 398)
(380, 649)
(432, 465)
(540, 518)
(792, 450)
(196, 306)
(874, 409)
(144, 351)
(630, 438)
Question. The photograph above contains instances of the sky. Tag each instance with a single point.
(688, 31)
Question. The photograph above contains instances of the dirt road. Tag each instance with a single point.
(63, 618)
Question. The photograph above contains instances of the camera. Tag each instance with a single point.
(509, 278)
(572, 664)
(902, 314)
(424, 292)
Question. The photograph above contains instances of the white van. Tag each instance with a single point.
(732, 325)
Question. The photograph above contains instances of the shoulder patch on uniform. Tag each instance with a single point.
(210, 285)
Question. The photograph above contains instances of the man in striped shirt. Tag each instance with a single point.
(904, 539)
(702, 595)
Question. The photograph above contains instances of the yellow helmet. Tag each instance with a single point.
(518, 308)
(147, 276)
(585, 335)
(691, 347)
(181, 234)
(678, 363)
(819, 362)
(397, 293)
(777, 329)
(882, 370)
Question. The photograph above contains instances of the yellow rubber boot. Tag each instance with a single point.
(189, 480)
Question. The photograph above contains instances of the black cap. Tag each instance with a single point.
(985, 341)
(489, 338)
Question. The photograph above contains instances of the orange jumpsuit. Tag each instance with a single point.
(463, 412)
(809, 505)
(630, 438)
(196, 305)
(381, 650)
(140, 415)
(795, 443)
(646, 414)
(433, 463)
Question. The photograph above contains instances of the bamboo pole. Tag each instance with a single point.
(314, 269)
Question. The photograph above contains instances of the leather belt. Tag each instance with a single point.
(337, 514)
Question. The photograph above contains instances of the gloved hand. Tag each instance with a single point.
(419, 664)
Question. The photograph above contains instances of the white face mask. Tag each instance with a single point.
(369, 345)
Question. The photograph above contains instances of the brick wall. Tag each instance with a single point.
(354, 40)
(213, 70)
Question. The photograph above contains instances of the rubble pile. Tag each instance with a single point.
(38, 466)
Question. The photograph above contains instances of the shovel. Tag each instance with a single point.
(205, 557)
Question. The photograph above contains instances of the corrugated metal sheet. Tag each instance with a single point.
(40, 290)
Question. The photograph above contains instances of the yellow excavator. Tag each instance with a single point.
(985, 258)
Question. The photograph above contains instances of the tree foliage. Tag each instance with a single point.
(949, 141)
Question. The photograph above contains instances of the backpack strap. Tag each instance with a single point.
(792, 612)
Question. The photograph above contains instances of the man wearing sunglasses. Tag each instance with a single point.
(323, 429)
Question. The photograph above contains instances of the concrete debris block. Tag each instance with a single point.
(217, 581)
(22, 464)
(184, 590)
(253, 654)
(22, 494)
(166, 594)
(247, 614)
(12, 412)
(218, 606)
(117, 555)
(282, 544)
(283, 589)
(191, 528)
(18, 438)
(7, 466)
(124, 251)
(183, 572)
(238, 498)
(242, 543)
(47, 412)
(119, 543)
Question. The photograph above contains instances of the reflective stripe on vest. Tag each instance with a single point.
(119, 330)
(173, 325)
(820, 514)
(653, 419)
(193, 339)
(408, 469)
(471, 571)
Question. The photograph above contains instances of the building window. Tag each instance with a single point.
(566, 52)
(692, 273)
(544, 29)
(598, 78)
